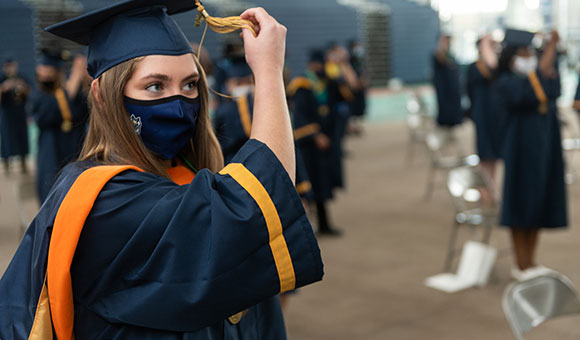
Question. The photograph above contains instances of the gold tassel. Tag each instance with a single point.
(224, 25)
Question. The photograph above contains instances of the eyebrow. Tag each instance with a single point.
(157, 76)
(193, 76)
(164, 77)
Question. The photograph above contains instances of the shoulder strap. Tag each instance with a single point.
(66, 231)
(244, 112)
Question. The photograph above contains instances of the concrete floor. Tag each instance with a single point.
(394, 239)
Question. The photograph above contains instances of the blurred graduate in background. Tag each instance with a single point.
(534, 195)
(14, 91)
(446, 83)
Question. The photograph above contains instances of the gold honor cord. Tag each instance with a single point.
(66, 125)
(539, 92)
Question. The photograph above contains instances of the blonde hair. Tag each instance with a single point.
(111, 137)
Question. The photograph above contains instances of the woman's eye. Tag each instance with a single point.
(154, 88)
(191, 86)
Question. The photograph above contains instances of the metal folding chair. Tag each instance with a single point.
(419, 124)
(445, 154)
(475, 205)
(527, 304)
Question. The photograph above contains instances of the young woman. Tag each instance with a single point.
(534, 194)
(155, 259)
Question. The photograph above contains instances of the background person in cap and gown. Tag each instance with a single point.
(232, 121)
(358, 104)
(313, 127)
(487, 124)
(60, 113)
(14, 91)
(446, 83)
(185, 248)
(534, 194)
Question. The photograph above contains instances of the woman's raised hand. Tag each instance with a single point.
(264, 52)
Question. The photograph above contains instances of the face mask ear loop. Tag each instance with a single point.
(195, 171)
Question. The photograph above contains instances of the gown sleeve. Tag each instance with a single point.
(181, 258)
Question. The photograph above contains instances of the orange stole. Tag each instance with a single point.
(180, 175)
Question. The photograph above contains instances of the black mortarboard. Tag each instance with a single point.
(126, 30)
(238, 70)
(316, 56)
(518, 38)
(51, 58)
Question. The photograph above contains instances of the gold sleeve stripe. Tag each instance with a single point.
(244, 110)
(539, 91)
(303, 187)
(298, 83)
(306, 130)
(277, 242)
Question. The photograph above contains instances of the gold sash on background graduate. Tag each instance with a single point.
(60, 96)
(539, 91)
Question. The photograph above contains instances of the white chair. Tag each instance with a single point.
(529, 303)
(475, 205)
(419, 123)
(445, 154)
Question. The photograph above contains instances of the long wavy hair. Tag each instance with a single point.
(111, 137)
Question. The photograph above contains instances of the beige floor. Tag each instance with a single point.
(394, 239)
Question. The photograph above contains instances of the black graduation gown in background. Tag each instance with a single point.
(13, 126)
(55, 147)
(534, 194)
(160, 261)
(487, 122)
(446, 83)
(229, 127)
(232, 134)
(312, 117)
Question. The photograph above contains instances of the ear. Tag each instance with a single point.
(95, 90)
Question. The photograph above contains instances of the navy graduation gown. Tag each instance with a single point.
(55, 147)
(233, 127)
(487, 122)
(534, 194)
(310, 117)
(160, 261)
(446, 83)
(13, 126)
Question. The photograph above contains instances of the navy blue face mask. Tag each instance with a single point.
(165, 125)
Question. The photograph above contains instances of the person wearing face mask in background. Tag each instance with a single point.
(232, 120)
(446, 83)
(14, 91)
(57, 109)
(534, 194)
(358, 104)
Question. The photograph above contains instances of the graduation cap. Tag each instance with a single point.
(135, 28)
(316, 56)
(51, 58)
(238, 70)
(518, 38)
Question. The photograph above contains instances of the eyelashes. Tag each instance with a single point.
(158, 87)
